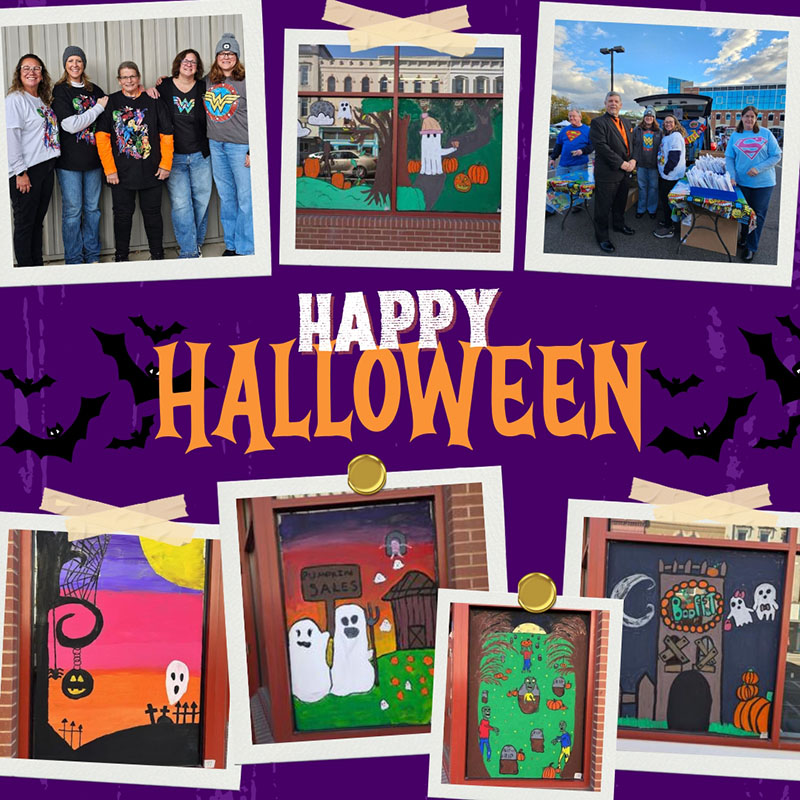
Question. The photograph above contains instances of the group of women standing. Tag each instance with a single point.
(659, 151)
(182, 132)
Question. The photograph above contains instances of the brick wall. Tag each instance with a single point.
(599, 713)
(9, 680)
(466, 536)
(371, 232)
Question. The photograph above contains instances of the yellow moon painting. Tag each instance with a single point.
(183, 565)
(529, 627)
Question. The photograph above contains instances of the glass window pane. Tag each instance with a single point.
(343, 156)
(790, 718)
(701, 636)
(339, 585)
(450, 155)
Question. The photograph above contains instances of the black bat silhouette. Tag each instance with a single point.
(788, 380)
(784, 438)
(158, 333)
(789, 325)
(706, 442)
(138, 438)
(144, 382)
(27, 385)
(59, 442)
(674, 386)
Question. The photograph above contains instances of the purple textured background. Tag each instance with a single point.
(688, 327)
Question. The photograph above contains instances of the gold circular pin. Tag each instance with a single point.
(537, 592)
(366, 474)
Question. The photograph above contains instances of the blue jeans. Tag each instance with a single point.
(485, 748)
(80, 214)
(189, 187)
(232, 179)
(758, 200)
(648, 190)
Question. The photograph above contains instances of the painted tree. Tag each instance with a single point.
(567, 653)
(489, 642)
(375, 115)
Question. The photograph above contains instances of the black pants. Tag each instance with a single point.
(664, 188)
(613, 197)
(30, 209)
(124, 202)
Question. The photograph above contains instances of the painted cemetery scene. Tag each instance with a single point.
(441, 154)
(527, 678)
(701, 632)
(117, 650)
(360, 587)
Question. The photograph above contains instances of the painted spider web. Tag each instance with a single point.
(80, 574)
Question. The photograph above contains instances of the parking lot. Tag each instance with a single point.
(578, 237)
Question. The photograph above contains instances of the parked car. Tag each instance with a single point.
(777, 132)
(349, 162)
(553, 135)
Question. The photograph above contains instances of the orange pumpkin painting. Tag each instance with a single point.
(462, 182)
(311, 167)
(478, 174)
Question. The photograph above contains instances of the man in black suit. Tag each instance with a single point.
(612, 138)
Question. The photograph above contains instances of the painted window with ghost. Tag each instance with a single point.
(710, 645)
(113, 666)
(359, 588)
(407, 147)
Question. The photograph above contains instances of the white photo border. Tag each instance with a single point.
(422, 259)
(228, 777)
(257, 265)
(463, 791)
(240, 739)
(537, 260)
(673, 757)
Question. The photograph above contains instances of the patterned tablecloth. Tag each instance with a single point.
(737, 209)
(565, 181)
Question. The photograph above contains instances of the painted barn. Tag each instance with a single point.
(413, 600)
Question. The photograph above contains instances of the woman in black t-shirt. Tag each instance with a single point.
(189, 183)
(78, 103)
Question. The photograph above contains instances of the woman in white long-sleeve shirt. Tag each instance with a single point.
(33, 146)
(78, 103)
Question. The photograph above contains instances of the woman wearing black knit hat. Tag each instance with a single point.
(226, 112)
(78, 103)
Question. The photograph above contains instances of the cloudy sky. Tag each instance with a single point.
(705, 56)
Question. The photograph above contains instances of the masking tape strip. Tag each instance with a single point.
(682, 507)
(374, 28)
(86, 518)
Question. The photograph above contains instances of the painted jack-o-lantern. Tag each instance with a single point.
(462, 182)
(77, 683)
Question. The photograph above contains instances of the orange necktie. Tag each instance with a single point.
(622, 133)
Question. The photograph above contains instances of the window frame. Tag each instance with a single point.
(457, 694)
(260, 542)
(394, 92)
(600, 531)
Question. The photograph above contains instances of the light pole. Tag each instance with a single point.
(610, 51)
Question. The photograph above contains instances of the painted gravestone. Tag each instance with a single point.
(527, 683)
(359, 589)
(118, 650)
(701, 632)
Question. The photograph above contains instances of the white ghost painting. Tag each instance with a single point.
(431, 146)
(177, 681)
(397, 564)
(765, 601)
(352, 671)
(386, 626)
(345, 111)
(384, 705)
(739, 613)
(379, 578)
(311, 676)
(408, 686)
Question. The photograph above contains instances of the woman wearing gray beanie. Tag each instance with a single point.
(78, 103)
(225, 102)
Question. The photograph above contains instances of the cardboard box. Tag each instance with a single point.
(705, 239)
